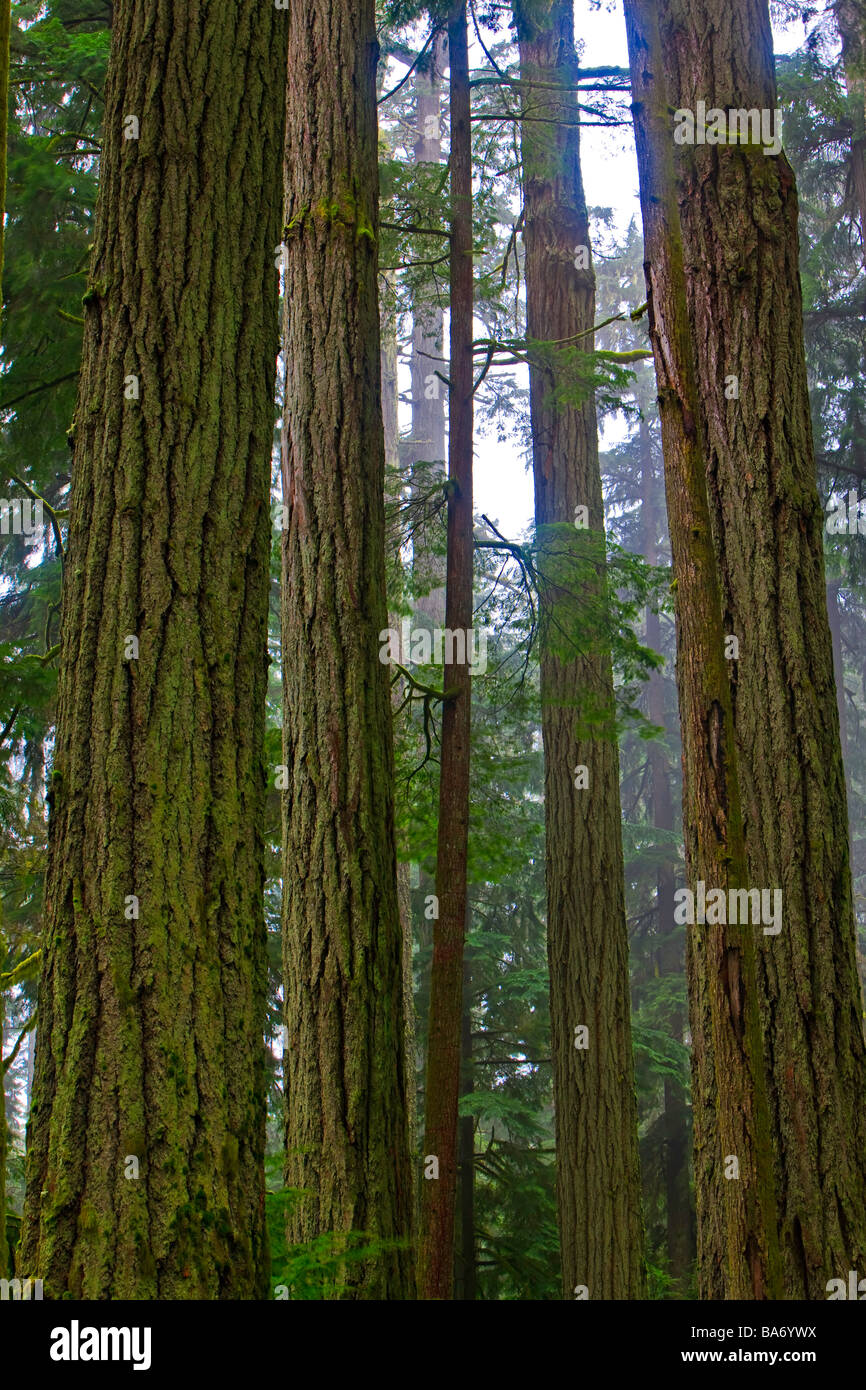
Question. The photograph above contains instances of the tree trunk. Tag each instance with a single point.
(438, 1195)
(598, 1174)
(390, 420)
(347, 1139)
(147, 1129)
(737, 1250)
(427, 440)
(834, 616)
(850, 16)
(739, 222)
(678, 1199)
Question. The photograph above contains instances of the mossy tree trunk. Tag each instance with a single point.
(438, 1194)
(738, 1253)
(598, 1173)
(739, 223)
(147, 1128)
(347, 1140)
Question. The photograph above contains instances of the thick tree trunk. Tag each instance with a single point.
(598, 1175)
(147, 1129)
(438, 1195)
(739, 221)
(346, 1085)
(737, 1245)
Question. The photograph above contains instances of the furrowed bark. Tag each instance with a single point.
(737, 1244)
(598, 1172)
(147, 1128)
(739, 222)
(347, 1142)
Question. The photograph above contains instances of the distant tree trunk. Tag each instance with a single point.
(427, 439)
(390, 419)
(835, 618)
(147, 1129)
(426, 442)
(850, 16)
(678, 1201)
(438, 1195)
(347, 1138)
(737, 1244)
(767, 526)
(598, 1173)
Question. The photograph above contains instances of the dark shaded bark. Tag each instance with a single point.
(739, 221)
(438, 1196)
(151, 1012)
(598, 1174)
(347, 1142)
(737, 1243)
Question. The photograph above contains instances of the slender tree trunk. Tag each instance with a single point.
(147, 1128)
(427, 439)
(850, 16)
(598, 1173)
(678, 1200)
(426, 442)
(737, 1245)
(390, 420)
(438, 1194)
(739, 221)
(835, 619)
(347, 1139)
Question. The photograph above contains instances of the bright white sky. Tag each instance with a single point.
(503, 487)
